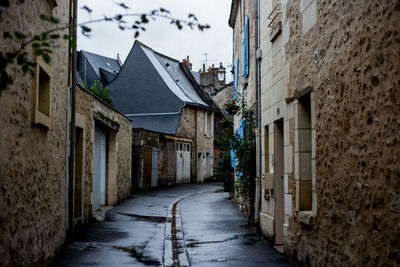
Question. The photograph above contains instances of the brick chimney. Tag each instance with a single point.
(187, 62)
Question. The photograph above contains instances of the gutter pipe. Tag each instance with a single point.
(258, 100)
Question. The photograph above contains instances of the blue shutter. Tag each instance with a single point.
(241, 128)
(247, 45)
(243, 55)
(235, 78)
(233, 159)
(245, 49)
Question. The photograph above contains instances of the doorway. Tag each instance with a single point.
(78, 176)
(147, 167)
(99, 185)
(154, 168)
(278, 179)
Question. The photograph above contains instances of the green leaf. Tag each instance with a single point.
(85, 29)
(39, 52)
(46, 58)
(72, 44)
(19, 35)
(65, 36)
(55, 36)
(54, 20)
(44, 17)
(136, 34)
(35, 45)
(144, 18)
(7, 35)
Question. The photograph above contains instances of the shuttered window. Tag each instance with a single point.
(236, 77)
(245, 49)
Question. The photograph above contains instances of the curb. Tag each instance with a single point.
(174, 243)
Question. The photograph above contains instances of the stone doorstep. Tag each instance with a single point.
(100, 214)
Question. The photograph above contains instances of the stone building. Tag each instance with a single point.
(162, 99)
(277, 120)
(33, 141)
(329, 130)
(242, 21)
(102, 156)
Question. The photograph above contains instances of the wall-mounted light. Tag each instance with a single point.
(221, 73)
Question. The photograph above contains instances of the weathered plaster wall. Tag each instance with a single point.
(32, 159)
(86, 105)
(357, 109)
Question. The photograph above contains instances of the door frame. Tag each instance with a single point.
(279, 158)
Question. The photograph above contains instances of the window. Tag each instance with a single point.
(235, 78)
(245, 50)
(207, 124)
(42, 94)
(180, 147)
(303, 142)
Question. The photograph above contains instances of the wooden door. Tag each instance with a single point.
(147, 167)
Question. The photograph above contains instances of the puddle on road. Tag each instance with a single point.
(144, 218)
(248, 239)
(193, 243)
(134, 253)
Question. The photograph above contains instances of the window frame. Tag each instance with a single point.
(39, 117)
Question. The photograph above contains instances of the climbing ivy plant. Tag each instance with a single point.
(244, 148)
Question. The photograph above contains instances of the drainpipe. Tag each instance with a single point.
(195, 144)
(72, 51)
(258, 115)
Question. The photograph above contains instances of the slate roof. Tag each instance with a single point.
(196, 76)
(95, 67)
(157, 123)
(152, 89)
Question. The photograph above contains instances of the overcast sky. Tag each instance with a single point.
(107, 40)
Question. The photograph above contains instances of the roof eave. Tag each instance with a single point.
(232, 15)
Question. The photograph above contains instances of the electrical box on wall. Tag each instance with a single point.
(268, 184)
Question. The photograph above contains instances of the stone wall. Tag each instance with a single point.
(247, 89)
(275, 200)
(204, 143)
(165, 147)
(119, 141)
(355, 83)
(223, 97)
(32, 161)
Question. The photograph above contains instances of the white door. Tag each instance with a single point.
(154, 168)
(207, 165)
(179, 162)
(186, 163)
(99, 184)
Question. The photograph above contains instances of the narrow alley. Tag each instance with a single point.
(185, 225)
